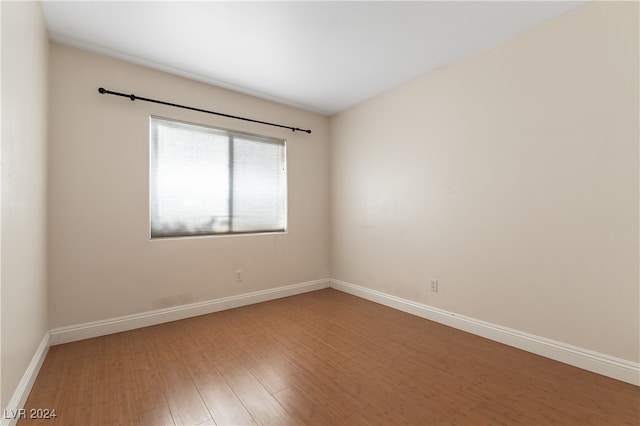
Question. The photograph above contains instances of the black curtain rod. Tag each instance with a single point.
(133, 97)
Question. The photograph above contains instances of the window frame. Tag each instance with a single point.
(230, 133)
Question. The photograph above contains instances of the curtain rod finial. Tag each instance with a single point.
(101, 90)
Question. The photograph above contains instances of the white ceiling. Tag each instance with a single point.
(321, 56)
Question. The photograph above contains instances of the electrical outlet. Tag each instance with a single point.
(238, 275)
(434, 285)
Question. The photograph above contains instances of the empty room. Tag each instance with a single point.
(320, 213)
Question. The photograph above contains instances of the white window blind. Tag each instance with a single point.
(207, 181)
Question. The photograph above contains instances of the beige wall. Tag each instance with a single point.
(511, 177)
(24, 136)
(101, 261)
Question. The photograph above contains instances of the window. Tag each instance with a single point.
(207, 181)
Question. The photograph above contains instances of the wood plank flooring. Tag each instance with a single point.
(321, 358)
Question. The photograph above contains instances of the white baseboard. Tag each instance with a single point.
(145, 319)
(11, 413)
(606, 365)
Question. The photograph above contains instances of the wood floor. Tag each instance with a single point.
(321, 358)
